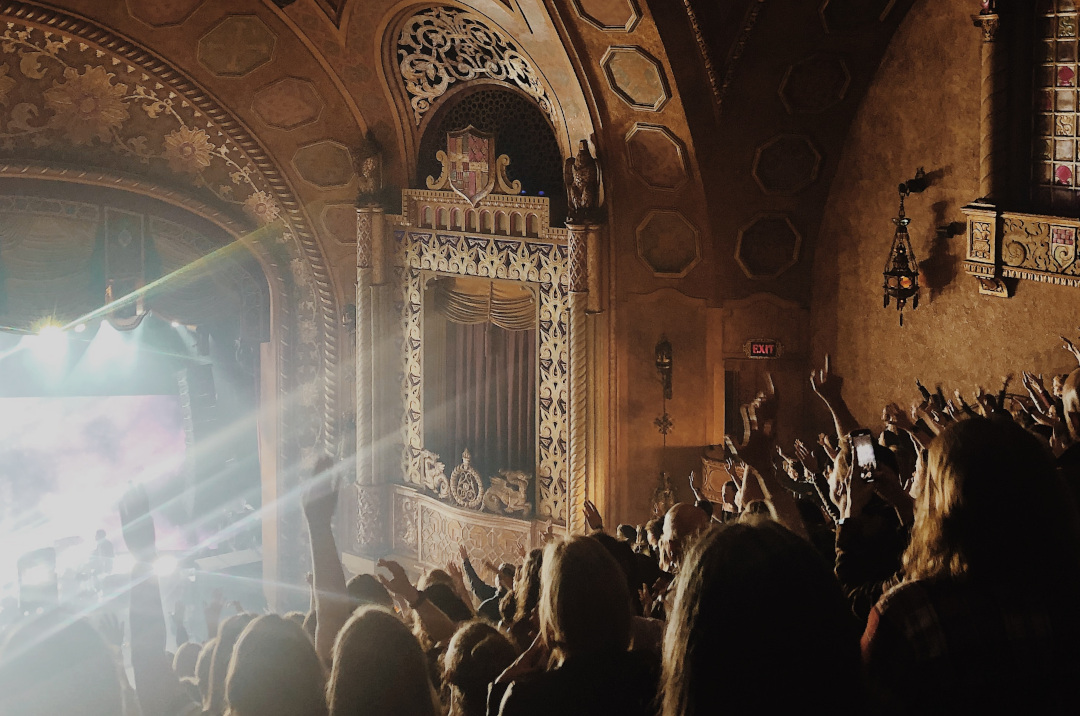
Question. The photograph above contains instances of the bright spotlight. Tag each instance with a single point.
(123, 564)
(80, 328)
(176, 324)
(165, 565)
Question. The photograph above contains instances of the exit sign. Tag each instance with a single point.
(763, 349)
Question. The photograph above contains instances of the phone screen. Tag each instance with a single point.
(862, 445)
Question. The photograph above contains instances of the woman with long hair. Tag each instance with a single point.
(474, 658)
(274, 671)
(986, 616)
(758, 613)
(379, 669)
(580, 663)
(523, 624)
(227, 636)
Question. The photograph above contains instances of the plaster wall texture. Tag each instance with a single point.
(922, 110)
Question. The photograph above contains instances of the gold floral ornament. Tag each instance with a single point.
(262, 207)
(87, 105)
(188, 150)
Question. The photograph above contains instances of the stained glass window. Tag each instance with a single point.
(1055, 154)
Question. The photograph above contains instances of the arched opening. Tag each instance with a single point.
(522, 132)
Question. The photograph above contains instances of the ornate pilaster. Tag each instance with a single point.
(373, 519)
(993, 119)
(578, 341)
(366, 218)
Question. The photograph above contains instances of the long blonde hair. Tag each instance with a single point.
(379, 668)
(959, 530)
(584, 599)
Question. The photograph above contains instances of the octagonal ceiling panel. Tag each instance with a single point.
(339, 222)
(657, 156)
(236, 46)
(668, 243)
(786, 164)
(636, 76)
(325, 163)
(767, 246)
(288, 103)
(815, 84)
(162, 13)
(610, 15)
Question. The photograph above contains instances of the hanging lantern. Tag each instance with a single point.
(902, 269)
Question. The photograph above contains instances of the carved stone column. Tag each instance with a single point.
(372, 502)
(578, 340)
(993, 118)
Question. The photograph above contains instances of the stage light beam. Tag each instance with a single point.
(165, 565)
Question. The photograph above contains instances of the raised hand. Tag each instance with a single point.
(806, 457)
(548, 535)
(827, 385)
(399, 583)
(826, 442)
(592, 516)
(764, 407)
(1037, 390)
(894, 415)
(321, 493)
(1068, 345)
(137, 524)
(463, 552)
(695, 488)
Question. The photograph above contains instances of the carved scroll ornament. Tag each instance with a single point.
(1032, 247)
(443, 45)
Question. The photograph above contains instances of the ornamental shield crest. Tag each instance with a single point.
(1063, 245)
(471, 162)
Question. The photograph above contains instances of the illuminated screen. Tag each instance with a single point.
(66, 461)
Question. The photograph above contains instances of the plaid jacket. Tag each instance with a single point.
(943, 646)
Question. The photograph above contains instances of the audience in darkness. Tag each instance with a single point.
(898, 578)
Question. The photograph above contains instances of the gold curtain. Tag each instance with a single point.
(470, 301)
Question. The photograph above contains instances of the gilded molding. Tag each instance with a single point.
(532, 261)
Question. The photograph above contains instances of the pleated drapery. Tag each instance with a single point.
(480, 374)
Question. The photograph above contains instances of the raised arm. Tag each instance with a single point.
(156, 684)
(331, 601)
(437, 625)
(829, 387)
(757, 453)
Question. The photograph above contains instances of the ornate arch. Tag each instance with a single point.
(73, 93)
(431, 50)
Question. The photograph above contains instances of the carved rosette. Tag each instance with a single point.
(537, 262)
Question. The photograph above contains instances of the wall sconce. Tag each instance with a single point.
(663, 365)
(901, 275)
(663, 370)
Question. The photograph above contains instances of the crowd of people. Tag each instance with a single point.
(932, 568)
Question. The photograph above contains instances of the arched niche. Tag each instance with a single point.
(522, 132)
